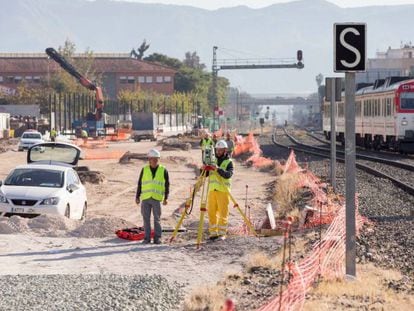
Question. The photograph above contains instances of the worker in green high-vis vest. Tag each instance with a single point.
(153, 188)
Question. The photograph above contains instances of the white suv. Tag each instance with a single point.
(29, 139)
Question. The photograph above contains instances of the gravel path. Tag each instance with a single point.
(88, 292)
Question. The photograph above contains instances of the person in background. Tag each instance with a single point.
(53, 134)
(214, 139)
(153, 188)
(230, 144)
(84, 135)
(205, 142)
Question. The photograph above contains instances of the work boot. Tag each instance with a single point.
(146, 242)
(157, 241)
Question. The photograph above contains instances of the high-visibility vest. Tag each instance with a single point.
(153, 187)
(219, 183)
(205, 143)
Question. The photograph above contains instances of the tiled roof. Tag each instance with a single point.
(101, 65)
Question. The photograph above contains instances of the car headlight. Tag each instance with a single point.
(50, 201)
(404, 122)
(3, 199)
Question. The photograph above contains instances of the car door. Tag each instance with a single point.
(80, 193)
(74, 194)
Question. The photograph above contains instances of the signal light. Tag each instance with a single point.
(299, 55)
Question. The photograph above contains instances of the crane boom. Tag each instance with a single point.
(99, 102)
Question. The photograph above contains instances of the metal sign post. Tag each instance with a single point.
(350, 57)
(333, 93)
(350, 186)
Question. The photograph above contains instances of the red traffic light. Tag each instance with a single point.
(299, 55)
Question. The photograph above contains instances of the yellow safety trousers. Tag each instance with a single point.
(218, 212)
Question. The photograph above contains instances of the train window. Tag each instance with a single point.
(389, 106)
(358, 109)
(407, 100)
(340, 109)
(369, 108)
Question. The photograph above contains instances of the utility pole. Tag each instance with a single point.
(214, 97)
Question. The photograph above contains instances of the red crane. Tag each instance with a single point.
(99, 102)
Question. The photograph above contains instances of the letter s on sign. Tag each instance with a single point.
(350, 47)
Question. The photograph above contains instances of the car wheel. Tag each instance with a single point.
(84, 211)
(67, 211)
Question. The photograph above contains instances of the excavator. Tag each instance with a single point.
(92, 127)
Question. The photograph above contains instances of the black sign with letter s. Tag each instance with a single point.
(349, 47)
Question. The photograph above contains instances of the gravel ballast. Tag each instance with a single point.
(89, 292)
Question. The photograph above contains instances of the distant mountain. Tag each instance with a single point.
(276, 31)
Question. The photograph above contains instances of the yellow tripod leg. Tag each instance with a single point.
(187, 205)
(203, 209)
(236, 205)
(180, 221)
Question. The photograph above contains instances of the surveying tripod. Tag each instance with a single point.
(203, 179)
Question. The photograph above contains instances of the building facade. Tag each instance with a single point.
(393, 62)
(118, 71)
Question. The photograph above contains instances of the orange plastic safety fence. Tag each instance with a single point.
(250, 145)
(327, 257)
(90, 143)
(92, 154)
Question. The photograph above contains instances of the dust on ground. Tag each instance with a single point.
(54, 245)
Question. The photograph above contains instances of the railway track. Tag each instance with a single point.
(379, 167)
(382, 153)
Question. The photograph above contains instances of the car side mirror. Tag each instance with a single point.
(72, 187)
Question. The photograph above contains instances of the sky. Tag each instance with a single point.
(215, 4)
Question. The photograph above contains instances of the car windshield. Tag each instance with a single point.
(32, 135)
(32, 177)
(59, 153)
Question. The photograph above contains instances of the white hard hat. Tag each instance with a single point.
(154, 153)
(221, 144)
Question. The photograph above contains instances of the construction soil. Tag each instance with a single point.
(54, 245)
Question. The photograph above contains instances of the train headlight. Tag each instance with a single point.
(404, 122)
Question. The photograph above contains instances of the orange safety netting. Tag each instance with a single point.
(327, 258)
(250, 145)
(90, 143)
(97, 154)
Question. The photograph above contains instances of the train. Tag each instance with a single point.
(384, 115)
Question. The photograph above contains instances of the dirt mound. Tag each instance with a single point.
(175, 144)
(93, 177)
(51, 225)
(100, 227)
(14, 224)
(127, 156)
(59, 226)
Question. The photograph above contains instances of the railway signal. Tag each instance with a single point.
(350, 57)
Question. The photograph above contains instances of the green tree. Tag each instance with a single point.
(192, 79)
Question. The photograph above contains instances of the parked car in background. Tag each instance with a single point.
(28, 139)
(47, 184)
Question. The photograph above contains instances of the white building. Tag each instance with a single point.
(393, 62)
